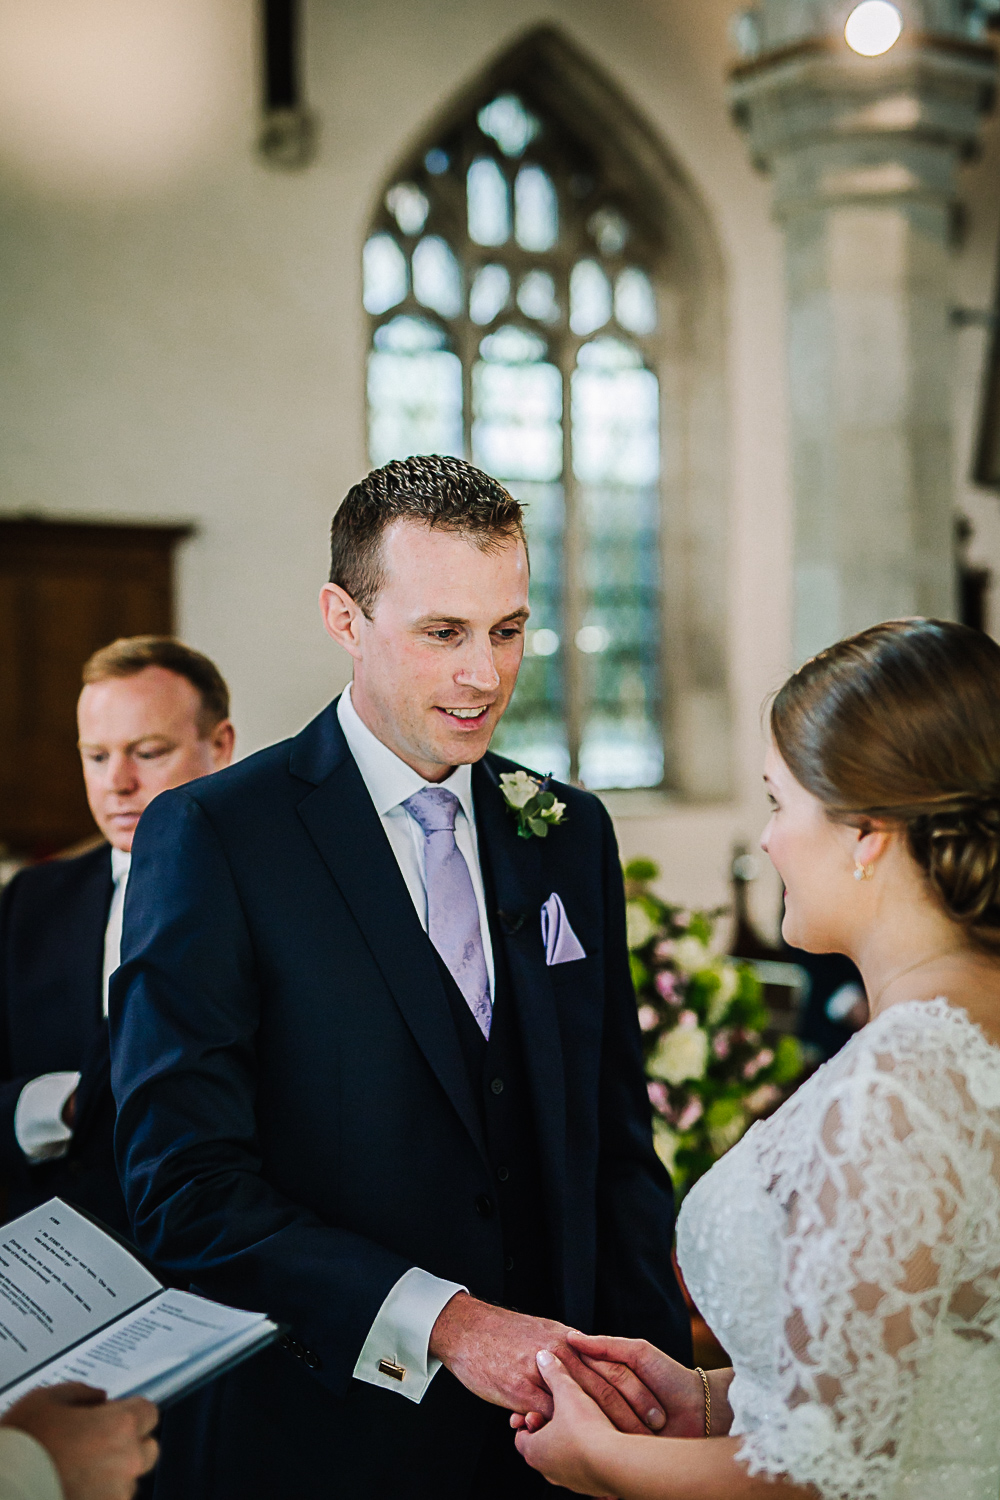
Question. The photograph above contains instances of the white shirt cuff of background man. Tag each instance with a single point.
(39, 1127)
(401, 1333)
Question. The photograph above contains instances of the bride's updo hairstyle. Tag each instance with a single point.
(902, 724)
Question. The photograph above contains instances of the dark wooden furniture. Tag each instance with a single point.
(65, 590)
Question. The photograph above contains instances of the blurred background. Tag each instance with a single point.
(714, 291)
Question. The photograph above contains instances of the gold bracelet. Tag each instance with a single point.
(708, 1400)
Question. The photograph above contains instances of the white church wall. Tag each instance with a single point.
(182, 337)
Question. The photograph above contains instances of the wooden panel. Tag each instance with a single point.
(65, 590)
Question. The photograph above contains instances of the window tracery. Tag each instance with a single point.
(512, 294)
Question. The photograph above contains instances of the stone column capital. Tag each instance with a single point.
(834, 128)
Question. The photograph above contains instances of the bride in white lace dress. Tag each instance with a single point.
(847, 1251)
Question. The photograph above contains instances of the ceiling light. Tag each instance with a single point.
(873, 27)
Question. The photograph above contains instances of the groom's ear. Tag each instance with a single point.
(342, 618)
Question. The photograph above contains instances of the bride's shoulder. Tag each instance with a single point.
(926, 1054)
(927, 1033)
(929, 1048)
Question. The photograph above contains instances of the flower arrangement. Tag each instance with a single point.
(712, 1063)
(529, 799)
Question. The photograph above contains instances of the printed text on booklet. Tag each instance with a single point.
(76, 1305)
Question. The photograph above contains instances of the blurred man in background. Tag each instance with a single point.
(153, 714)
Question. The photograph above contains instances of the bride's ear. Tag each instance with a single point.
(870, 844)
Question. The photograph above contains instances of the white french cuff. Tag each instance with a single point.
(396, 1354)
(39, 1128)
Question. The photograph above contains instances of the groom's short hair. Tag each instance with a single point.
(445, 493)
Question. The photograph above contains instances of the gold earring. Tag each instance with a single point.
(864, 872)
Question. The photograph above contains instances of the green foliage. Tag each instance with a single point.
(712, 1061)
(701, 926)
(640, 974)
(788, 1060)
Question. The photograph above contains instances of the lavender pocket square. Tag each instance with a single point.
(562, 945)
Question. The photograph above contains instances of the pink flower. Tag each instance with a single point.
(721, 1044)
(664, 951)
(764, 1059)
(687, 1018)
(666, 986)
(648, 1018)
(762, 1098)
(690, 1114)
(658, 1097)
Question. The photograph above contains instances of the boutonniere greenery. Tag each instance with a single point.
(531, 802)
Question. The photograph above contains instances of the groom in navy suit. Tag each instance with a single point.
(364, 1082)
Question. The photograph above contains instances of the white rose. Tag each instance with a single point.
(639, 925)
(691, 955)
(680, 1054)
(729, 983)
(518, 787)
(665, 1142)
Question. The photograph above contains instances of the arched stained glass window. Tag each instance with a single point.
(511, 284)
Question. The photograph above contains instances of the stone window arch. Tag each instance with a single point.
(544, 299)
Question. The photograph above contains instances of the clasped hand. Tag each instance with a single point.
(578, 1448)
(493, 1352)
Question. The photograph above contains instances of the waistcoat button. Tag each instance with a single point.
(497, 1085)
(484, 1206)
(502, 1173)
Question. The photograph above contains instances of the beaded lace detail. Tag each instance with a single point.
(847, 1254)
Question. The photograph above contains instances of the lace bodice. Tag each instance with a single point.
(847, 1254)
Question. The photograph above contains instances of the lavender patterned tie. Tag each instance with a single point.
(452, 910)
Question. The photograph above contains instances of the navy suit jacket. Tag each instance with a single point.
(297, 1126)
(52, 922)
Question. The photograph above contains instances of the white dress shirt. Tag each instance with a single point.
(402, 1328)
(39, 1127)
(120, 866)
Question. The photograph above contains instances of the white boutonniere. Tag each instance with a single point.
(534, 806)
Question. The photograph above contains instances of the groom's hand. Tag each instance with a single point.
(492, 1352)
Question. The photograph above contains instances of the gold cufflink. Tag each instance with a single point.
(389, 1367)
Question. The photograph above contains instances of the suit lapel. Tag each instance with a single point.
(91, 915)
(95, 1084)
(343, 824)
(515, 866)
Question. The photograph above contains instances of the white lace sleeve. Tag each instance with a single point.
(889, 1257)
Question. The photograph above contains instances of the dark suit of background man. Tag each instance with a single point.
(152, 714)
(351, 1089)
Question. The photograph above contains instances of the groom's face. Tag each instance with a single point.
(436, 663)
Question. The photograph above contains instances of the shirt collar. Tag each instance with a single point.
(121, 863)
(390, 780)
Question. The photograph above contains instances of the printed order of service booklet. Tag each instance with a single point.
(75, 1304)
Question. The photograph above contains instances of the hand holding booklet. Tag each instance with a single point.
(75, 1304)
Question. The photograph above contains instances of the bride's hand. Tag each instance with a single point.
(568, 1448)
(678, 1389)
(617, 1375)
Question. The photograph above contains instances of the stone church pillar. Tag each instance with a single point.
(864, 153)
